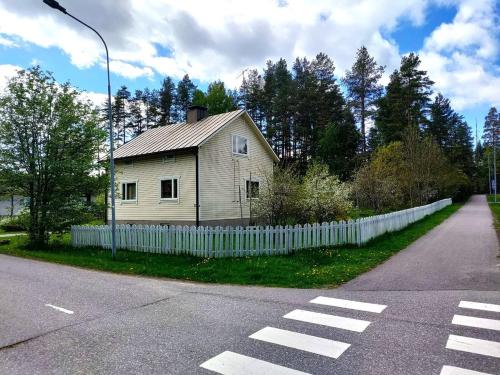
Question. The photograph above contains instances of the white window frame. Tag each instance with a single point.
(123, 200)
(165, 178)
(254, 179)
(234, 137)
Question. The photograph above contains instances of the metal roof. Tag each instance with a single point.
(175, 137)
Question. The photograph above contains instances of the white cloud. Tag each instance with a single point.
(7, 42)
(218, 39)
(460, 56)
(211, 40)
(128, 70)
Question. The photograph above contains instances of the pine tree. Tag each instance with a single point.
(363, 88)
(137, 121)
(416, 90)
(406, 102)
(339, 146)
(251, 96)
(461, 150)
(183, 97)
(329, 105)
(441, 121)
(278, 107)
(491, 131)
(305, 117)
(152, 108)
(166, 101)
(121, 114)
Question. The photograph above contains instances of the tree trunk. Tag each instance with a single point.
(363, 130)
(11, 205)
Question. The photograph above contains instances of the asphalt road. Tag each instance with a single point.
(62, 320)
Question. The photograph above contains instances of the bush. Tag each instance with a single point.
(324, 197)
(279, 199)
(286, 198)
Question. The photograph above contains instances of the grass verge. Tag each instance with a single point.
(495, 210)
(328, 267)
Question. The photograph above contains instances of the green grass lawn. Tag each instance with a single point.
(328, 267)
(495, 209)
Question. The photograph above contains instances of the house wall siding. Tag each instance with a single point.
(223, 174)
(149, 208)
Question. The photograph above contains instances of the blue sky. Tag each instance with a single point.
(457, 40)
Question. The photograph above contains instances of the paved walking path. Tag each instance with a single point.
(460, 254)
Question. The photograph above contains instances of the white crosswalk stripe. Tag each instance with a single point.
(472, 345)
(334, 321)
(450, 370)
(348, 304)
(312, 344)
(471, 321)
(229, 363)
(479, 306)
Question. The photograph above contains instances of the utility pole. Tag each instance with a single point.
(489, 173)
(494, 161)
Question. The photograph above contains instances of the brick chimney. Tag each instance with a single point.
(196, 113)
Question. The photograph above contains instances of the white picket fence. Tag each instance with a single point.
(248, 241)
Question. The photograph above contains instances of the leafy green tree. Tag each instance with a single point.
(49, 143)
(363, 89)
(408, 173)
(166, 101)
(217, 99)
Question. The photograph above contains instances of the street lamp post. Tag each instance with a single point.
(54, 4)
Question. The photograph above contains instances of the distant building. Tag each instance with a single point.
(205, 171)
(11, 205)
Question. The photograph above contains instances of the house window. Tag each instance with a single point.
(129, 191)
(240, 145)
(169, 158)
(169, 188)
(252, 188)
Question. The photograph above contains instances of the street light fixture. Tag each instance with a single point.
(54, 4)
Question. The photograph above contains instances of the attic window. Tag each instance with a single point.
(240, 145)
(169, 158)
